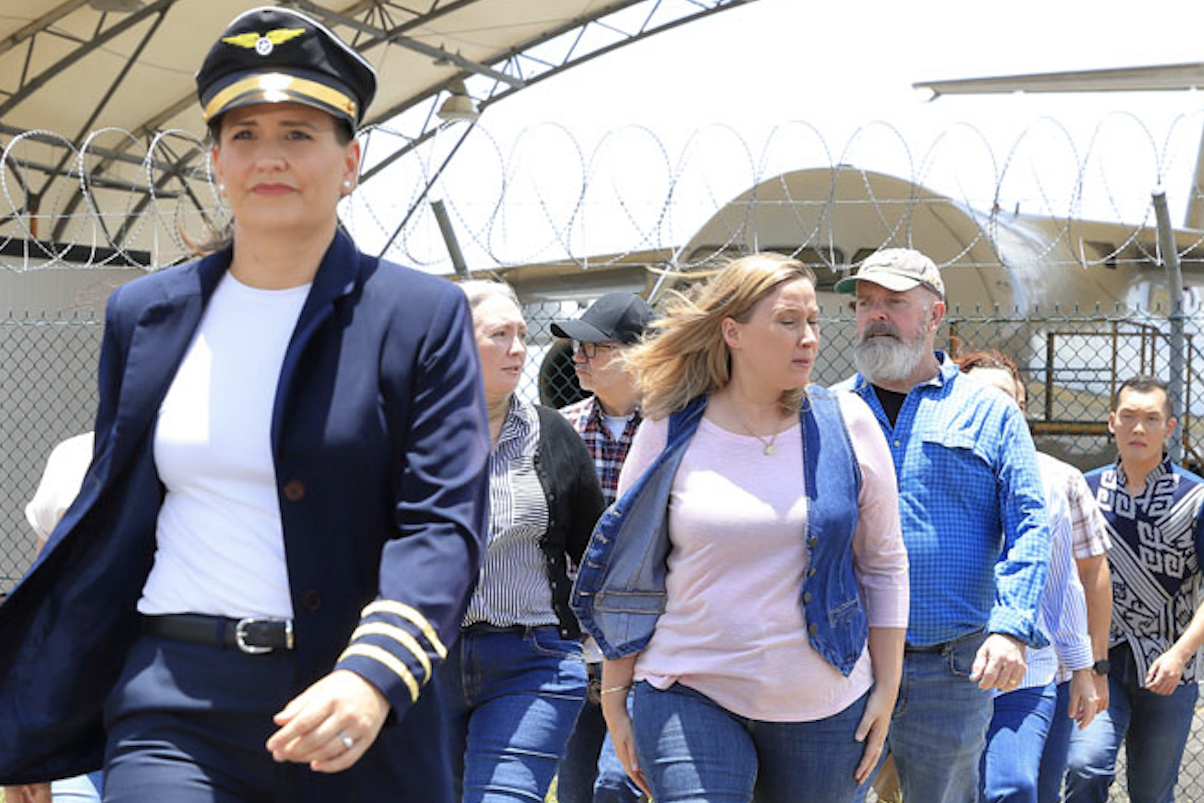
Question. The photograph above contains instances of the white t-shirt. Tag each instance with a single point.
(615, 424)
(220, 542)
(65, 470)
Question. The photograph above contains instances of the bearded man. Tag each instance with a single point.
(972, 508)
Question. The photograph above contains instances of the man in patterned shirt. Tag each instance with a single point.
(608, 419)
(590, 771)
(972, 507)
(1155, 516)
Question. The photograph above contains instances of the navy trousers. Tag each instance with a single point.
(187, 723)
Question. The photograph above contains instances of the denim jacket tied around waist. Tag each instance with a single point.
(620, 589)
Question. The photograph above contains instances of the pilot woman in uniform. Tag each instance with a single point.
(276, 540)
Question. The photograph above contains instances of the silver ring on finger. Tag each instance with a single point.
(346, 739)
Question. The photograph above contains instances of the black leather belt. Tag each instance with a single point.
(489, 627)
(941, 646)
(253, 636)
(927, 648)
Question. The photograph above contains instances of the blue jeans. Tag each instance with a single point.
(1057, 747)
(510, 697)
(80, 789)
(1016, 736)
(1154, 729)
(590, 772)
(939, 727)
(691, 749)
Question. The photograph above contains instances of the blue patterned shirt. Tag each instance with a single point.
(1156, 578)
(972, 508)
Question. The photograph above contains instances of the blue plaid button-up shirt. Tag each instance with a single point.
(972, 508)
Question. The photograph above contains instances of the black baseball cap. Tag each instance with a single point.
(274, 55)
(618, 316)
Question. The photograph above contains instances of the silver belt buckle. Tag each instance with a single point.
(240, 638)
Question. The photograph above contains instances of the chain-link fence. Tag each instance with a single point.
(1072, 364)
(47, 393)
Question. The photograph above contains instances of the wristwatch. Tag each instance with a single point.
(1101, 666)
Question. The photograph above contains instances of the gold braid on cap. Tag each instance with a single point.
(277, 87)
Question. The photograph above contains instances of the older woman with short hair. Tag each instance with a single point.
(515, 681)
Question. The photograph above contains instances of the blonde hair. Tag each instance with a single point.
(687, 355)
(478, 290)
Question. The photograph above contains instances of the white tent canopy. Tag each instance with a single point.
(88, 89)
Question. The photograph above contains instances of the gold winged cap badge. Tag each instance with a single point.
(263, 44)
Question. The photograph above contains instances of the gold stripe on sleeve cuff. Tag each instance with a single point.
(388, 659)
(411, 615)
(397, 634)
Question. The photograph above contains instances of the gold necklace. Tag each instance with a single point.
(767, 445)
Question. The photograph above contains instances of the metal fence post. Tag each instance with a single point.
(1169, 253)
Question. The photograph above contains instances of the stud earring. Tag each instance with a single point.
(347, 184)
(221, 188)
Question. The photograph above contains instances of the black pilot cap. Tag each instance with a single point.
(276, 55)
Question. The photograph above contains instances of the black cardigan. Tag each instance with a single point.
(570, 485)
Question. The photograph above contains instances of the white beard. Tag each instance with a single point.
(888, 359)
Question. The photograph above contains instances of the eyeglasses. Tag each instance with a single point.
(590, 350)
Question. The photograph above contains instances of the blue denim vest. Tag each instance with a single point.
(620, 589)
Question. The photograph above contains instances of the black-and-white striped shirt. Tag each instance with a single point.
(513, 588)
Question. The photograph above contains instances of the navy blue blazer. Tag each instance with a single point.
(381, 443)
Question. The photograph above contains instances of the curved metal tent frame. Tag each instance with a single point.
(125, 68)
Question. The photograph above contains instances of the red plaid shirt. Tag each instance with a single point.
(608, 454)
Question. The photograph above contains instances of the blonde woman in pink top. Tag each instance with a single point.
(773, 666)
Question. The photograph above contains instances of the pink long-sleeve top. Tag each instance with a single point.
(733, 626)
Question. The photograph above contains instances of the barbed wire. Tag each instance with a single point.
(544, 195)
